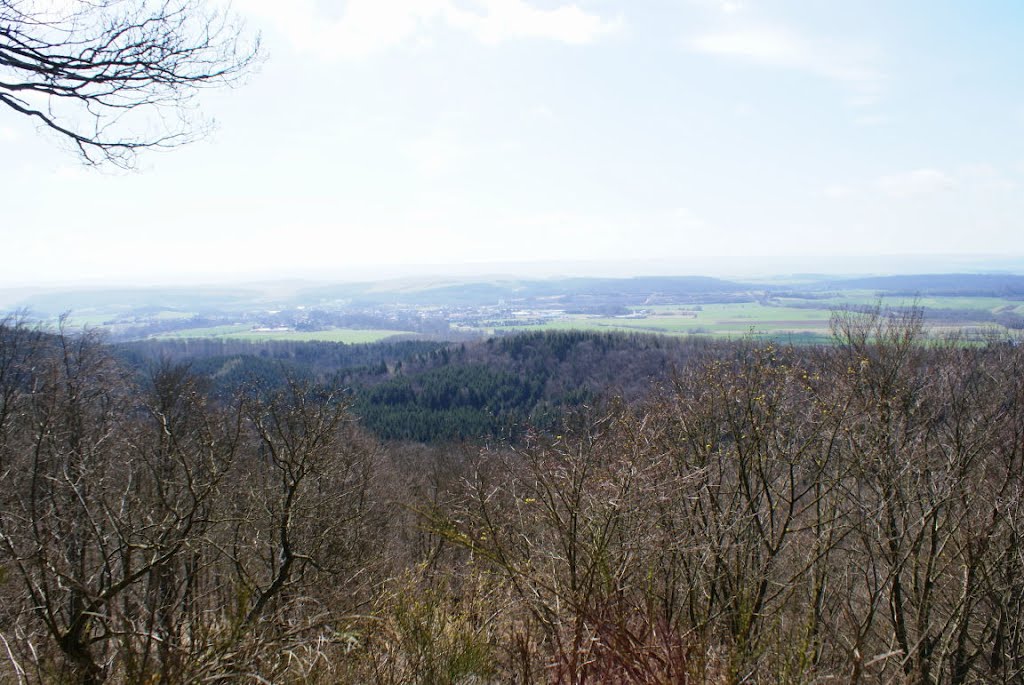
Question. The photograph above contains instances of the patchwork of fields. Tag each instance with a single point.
(447, 311)
(242, 332)
(796, 318)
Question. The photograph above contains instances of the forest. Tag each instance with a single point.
(558, 507)
(436, 392)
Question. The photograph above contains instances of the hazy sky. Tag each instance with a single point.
(437, 131)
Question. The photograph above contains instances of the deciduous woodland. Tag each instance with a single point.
(848, 513)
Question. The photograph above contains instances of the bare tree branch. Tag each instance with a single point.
(116, 76)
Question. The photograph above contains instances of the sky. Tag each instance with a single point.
(382, 135)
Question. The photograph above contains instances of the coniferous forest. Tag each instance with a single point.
(543, 508)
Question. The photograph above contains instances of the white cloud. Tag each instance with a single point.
(986, 177)
(367, 27)
(685, 218)
(873, 120)
(725, 6)
(8, 134)
(774, 47)
(967, 179)
(839, 191)
(66, 172)
(437, 154)
(743, 110)
(917, 182)
(502, 20)
(785, 49)
(539, 113)
(363, 28)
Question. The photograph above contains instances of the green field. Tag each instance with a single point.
(204, 332)
(343, 335)
(792, 315)
(857, 297)
(714, 319)
(89, 319)
(245, 332)
(169, 315)
(806, 319)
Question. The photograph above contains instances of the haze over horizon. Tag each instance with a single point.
(394, 136)
(730, 268)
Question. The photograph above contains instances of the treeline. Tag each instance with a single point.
(850, 512)
(1004, 316)
(1010, 286)
(227, 364)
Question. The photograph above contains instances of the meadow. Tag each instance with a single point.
(246, 333)
(667, 306)
(806, 319)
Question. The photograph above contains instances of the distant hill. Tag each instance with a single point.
(569, 289)
(54, 302)
(417, 292)
(977, 285)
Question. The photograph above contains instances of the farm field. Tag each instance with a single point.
(90, 319)
(799, 318)
(342, 335)
(443, 310)
(867, 298)
(202, 332)
(245, 332)
(170, 315)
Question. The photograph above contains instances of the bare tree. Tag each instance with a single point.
(778, 515)
(103, 501)
(150, 533)
(849, 513)
(116, 76)
(296, 550)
